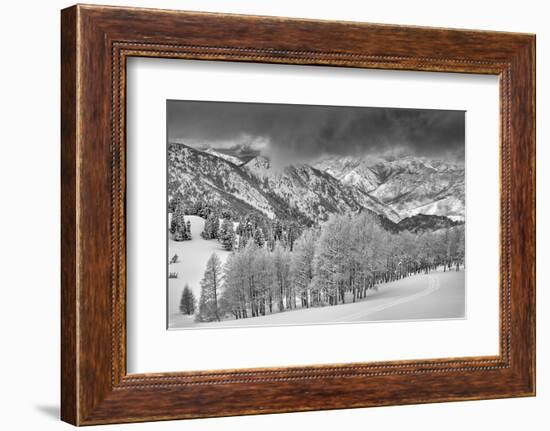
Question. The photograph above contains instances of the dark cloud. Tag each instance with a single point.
(300, 132)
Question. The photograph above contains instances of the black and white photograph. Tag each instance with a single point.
(285, 214)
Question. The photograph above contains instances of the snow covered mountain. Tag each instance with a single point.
(409, 185)
(396, 190)
(313, 192)
(299, 191)
(228, 157)
(195, 176)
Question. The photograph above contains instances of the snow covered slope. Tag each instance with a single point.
(409, 185)
(193, 256)
(228, 157)
(438, 295)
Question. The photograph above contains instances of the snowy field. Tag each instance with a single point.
(193, 255)
(438, 295)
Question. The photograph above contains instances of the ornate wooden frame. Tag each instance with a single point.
(95, 43)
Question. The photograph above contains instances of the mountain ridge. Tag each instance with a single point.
(309, 193)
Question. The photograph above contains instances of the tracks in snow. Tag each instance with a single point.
(433, 285)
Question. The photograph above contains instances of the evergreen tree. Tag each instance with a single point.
(292, 233)
(210, 290)
(173, 203)
(227, 235)
(173, 223)
(270, 237)
(178, 225)
(187, 303)
(176, 218)
(211, 226)
(243, 240)
(277, 231)
(181, 232)
(224, 227)
(188, 230)
(259, 238)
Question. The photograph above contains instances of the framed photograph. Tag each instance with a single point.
(281, 214)
(267, 215)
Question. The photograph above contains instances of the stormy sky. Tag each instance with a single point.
(292, 133)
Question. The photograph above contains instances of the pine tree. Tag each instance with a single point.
(211, 226)
(223, 229)
(277, 231)
(210, 290)
(178, 226)
(270, 238)
(187, 303)
(175, 219)
(173, 223)
(188, 230)
(227, 235)
(259, 238)
(292, 233)
(241, 243)
(180, 234)
(206, 230)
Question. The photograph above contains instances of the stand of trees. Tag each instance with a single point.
(237, 233)
(267, 232)
(179, 227)
(329, 265)
(251, 225)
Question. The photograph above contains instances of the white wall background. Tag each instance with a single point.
(29, 215)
